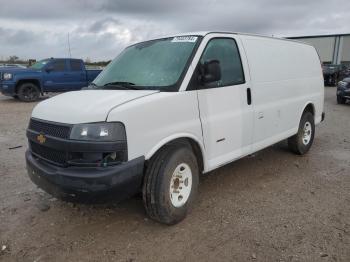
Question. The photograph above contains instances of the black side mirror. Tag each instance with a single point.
(211, 71)
(49, 68)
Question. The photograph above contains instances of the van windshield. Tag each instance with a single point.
(155, 65)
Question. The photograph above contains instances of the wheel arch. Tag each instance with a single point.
(29, 80)
(189, 139)
(309, 107)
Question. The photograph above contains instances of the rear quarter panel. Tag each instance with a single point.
(286, 76)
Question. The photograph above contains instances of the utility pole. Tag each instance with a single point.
(70, 53)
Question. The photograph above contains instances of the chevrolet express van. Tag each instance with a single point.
(166, 110)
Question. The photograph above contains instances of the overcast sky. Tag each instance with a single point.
(100, 29)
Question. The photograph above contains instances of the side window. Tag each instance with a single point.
(75, 65)
(59, 65)
(225, 50)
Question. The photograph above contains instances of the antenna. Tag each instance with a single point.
(70, 53)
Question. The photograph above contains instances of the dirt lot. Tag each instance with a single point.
(272, 206)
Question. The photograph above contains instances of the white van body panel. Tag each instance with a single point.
(286, 76)
(152, 121)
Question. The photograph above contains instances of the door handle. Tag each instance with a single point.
(249, 96)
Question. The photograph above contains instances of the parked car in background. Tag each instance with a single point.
(48, 75)
(168, 109)
(345, 71)
(12, 65)
(332, 73)
(343, 91)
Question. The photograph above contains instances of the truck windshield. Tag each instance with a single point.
(157, 64)
(39, 64)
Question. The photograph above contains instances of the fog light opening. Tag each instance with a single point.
(109, 159)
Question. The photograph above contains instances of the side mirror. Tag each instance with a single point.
(49, 68)
(211, 71)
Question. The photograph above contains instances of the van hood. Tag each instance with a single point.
(85, 106)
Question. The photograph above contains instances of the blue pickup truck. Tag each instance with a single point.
(48, 75)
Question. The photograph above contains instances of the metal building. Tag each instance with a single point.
(333, 49)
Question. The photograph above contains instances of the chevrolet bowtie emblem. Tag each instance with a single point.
(41, 138)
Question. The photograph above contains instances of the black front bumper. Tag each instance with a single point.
(87, 184)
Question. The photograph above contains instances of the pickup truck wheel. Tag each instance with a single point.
(341, 100)
(28, 92)
(170, 184)
(302, 141)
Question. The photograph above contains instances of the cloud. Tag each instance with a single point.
(16, 38)
(101, 29)
(103, 25)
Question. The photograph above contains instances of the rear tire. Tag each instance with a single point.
(170, 184)
(341, 100)
(28, 92)
(302, 141)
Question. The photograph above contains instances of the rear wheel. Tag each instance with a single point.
(341, 100)
(28, 92)
(302, 141)
(170, 184)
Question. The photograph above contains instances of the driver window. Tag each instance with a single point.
(225, 50)
(59, 66)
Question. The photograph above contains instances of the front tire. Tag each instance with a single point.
(170, 184)
(28, 92)
(301, 143)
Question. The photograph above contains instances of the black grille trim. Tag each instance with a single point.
(49, 154)
(50, 128)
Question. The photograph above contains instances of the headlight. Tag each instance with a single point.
(107, 132)
(7, 76)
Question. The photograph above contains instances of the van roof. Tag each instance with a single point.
(204, 33)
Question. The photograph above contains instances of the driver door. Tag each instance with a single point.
(57, 78)
(226, 111)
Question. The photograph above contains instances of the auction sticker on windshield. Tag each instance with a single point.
(190, 39)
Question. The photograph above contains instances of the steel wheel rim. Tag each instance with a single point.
(29, 92)
(180, 185)
(307, 133)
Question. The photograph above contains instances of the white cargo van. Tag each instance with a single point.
(168, 109)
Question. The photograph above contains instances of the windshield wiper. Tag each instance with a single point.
(122, 85)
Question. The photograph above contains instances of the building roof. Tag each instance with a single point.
(317, 36)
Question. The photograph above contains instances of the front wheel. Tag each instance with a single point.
(28, 92)
(170, 184)
(302, 141)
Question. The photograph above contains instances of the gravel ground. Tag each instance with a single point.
(272, 206)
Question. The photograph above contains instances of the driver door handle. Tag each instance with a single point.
(249, 96)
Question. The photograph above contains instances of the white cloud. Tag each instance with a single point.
(101, 29)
